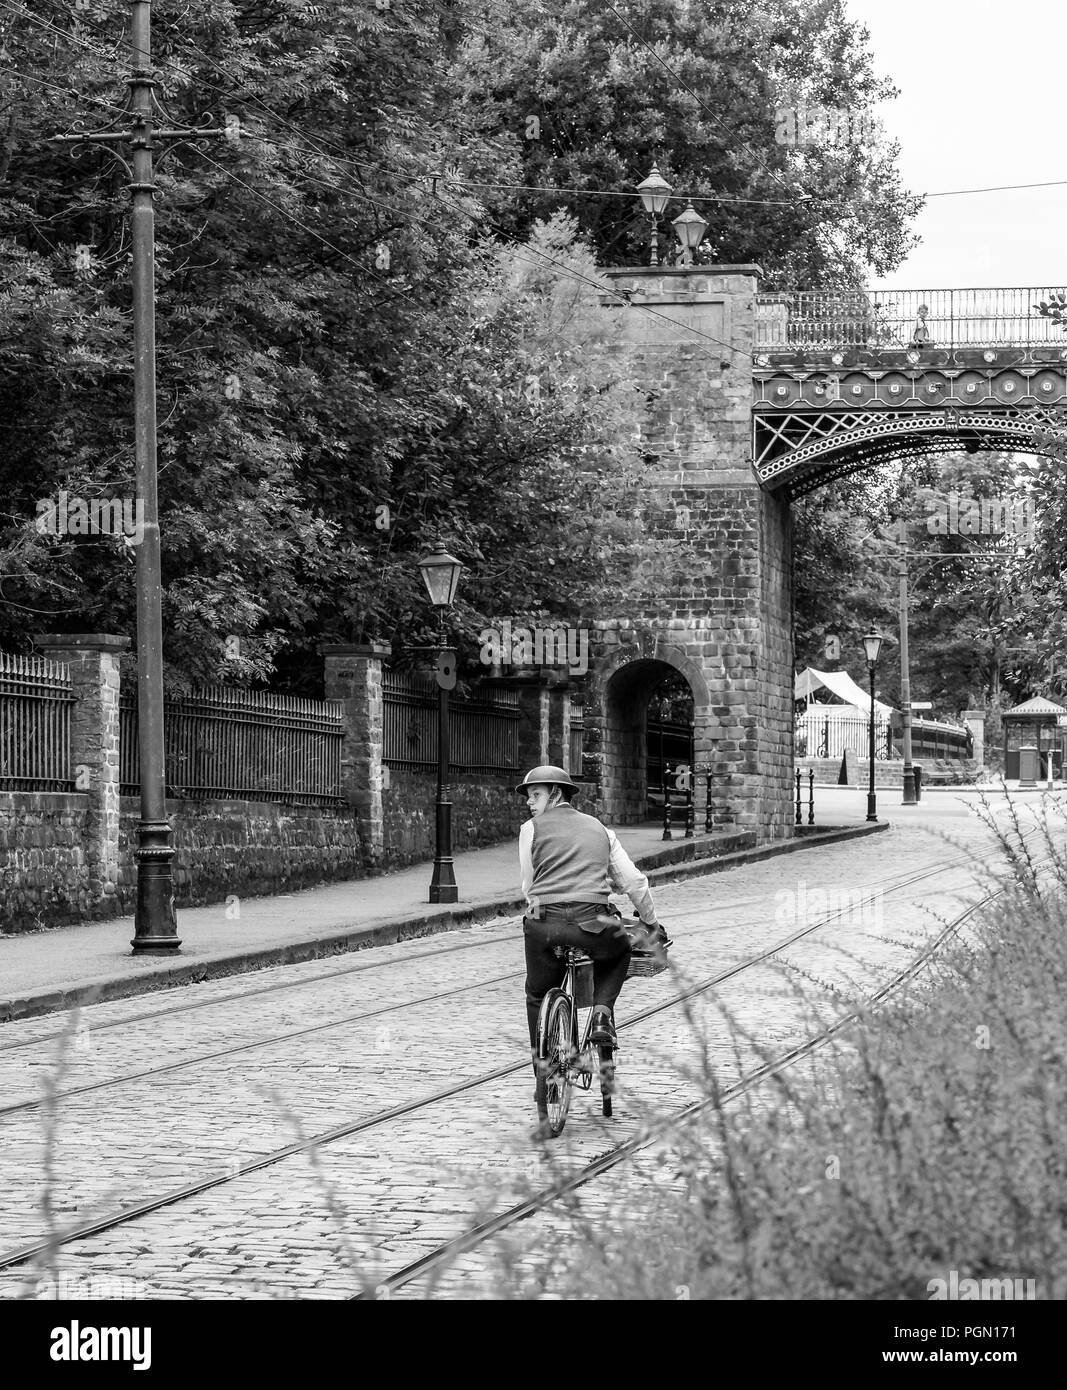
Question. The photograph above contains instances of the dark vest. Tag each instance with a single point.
(570, 855)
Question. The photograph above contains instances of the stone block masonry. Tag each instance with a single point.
(44, 876)
(67, 857)
(485, 811)
(245, 848)
(721, 613)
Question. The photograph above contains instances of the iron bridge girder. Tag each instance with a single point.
(817, 417)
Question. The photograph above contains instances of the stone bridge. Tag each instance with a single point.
(753, 400)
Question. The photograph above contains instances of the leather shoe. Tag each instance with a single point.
(603, 1030)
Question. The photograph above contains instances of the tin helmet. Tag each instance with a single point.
(546, 775)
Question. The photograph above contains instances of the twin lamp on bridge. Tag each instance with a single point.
(689, 228)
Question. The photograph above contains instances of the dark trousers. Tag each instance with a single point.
(608, 948)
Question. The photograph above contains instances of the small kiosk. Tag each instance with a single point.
(1032, 737)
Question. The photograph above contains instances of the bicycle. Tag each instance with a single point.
(562, 1061)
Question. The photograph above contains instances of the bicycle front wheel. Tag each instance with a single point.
(555, 1028)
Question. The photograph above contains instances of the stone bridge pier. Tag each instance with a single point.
(721, 615)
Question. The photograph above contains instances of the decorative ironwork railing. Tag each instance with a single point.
(35, 704)
(822, 735)
(249, 745)
(483, 730)
(900, 319)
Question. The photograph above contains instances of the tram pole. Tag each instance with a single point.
(156, 931)
(905, 673)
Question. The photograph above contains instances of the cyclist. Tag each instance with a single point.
(570, 865)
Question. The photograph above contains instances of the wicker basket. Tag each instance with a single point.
(647, 965)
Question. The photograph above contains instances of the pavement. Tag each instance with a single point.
(45, 971)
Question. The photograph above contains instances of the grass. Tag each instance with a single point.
(930, 1137)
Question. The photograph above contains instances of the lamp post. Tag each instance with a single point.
(689, 228)
(654, 191)
(872, 641)
(440, 573)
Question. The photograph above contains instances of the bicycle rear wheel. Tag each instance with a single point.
(555, 1027)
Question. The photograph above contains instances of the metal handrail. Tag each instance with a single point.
(899, 319)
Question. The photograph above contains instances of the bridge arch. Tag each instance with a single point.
(854, 441)
(751, 400)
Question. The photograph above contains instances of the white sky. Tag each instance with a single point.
(981, 103)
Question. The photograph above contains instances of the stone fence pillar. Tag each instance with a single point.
(559, 725)
(975, 721)
(93, 659)
(533, 725)
(353, 674)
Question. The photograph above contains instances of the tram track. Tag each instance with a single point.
(241, 996)
(349, 1020)
(110, 1221)
(537, 1202)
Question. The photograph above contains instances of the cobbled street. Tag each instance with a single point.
(221, 1075)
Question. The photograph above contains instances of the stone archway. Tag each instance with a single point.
(628, 665)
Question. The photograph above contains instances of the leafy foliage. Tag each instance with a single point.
(353, 356)
(985, 611)
(583, 97)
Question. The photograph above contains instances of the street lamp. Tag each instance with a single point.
(654, 191)
(440, 573)
(689, 228)
(872, 641)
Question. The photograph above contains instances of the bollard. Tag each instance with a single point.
(666, 804)
(811, 796)
(800, 819)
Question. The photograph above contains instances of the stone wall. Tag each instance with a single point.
(246, 848)
(44, 879)
(485, 811)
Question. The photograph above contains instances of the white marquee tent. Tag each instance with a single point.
(838, 683)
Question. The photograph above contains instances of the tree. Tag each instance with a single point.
(345, 363)
(579, 99)
(977, 613)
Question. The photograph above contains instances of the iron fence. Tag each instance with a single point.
(250, 745)
(964, 318)
(483, 728)
(669, 746)
(822, 735)
(35, 703)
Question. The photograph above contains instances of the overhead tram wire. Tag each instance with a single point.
(325, 145)
(230, 96)
(398, 290)
(804, 199)
(566, 270)
(522, 250)
(67, 91)
(795, 201)
(178, 69)
(100, 53)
